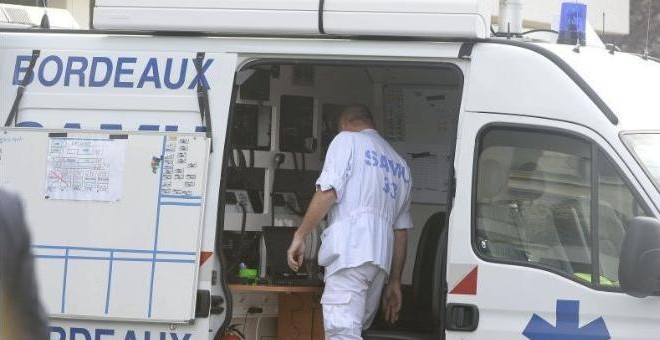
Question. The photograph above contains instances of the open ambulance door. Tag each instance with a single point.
(120, 180)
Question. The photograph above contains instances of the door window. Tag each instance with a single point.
(534, 204)
(616, 207)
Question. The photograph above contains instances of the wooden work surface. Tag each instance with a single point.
(300, 312)
(241, 288)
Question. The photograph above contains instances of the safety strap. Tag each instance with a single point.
(203, 97)
(13, 113)
(321, 14)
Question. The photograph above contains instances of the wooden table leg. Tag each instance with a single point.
(300, 317)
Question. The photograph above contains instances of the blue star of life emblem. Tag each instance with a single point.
(568, 325)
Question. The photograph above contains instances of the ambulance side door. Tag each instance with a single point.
(536, 233)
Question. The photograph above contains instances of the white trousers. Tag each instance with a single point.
(350, 301)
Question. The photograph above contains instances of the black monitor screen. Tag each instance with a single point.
(277, 241)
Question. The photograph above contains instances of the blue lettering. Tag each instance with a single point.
(80, 71)
(59, 331)
(150, 74)
(101, 332)
(383, 163)
(401, 173)
(130, 335)
(168, 74)
(93, 82)
(200, 77)
(367, 155)
(120, 70)
(374, 157)
(392, 166)
(19, 69)
(75, 331)
(394, 188)
(101, 71)
(58, 71)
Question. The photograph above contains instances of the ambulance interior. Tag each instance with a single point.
(284, 117)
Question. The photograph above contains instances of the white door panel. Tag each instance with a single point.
(528, 300)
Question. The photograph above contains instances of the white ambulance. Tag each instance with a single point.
(151, 151)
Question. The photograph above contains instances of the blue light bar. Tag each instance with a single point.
(573, 24)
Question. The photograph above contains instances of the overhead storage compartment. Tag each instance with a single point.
(411, 18)
(215, 16)
(403, 18)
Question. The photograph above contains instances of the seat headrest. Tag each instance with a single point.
(492, 179)
(535, 186)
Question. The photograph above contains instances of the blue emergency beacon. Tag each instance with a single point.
(572, 27)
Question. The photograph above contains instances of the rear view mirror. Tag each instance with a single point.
(639, 267)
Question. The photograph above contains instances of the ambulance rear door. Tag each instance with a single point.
(113, 151)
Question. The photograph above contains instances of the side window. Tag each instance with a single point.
(534, 205)
(616, 206)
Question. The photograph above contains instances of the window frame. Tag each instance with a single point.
(633, 152)
(595, 150)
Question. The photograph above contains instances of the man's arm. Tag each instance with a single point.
(318, 208)
(399, 257)
(392, 296)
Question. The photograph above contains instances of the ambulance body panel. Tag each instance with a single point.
(534, 137)
(414, 18)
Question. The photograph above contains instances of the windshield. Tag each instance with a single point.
(645, 146)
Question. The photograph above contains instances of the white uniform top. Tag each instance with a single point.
(373, 186)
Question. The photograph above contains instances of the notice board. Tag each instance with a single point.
(115, 219)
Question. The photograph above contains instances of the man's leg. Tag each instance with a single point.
(344, 302)
(373, 298)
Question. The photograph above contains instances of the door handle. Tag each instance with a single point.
(462, 317)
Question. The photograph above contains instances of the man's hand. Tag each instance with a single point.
(392, 301)
(318, 207)
(296, 253)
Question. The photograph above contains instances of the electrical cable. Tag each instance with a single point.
(278, 160)
(256, 330)
(245, 321)
(295, 163)
(539, 31)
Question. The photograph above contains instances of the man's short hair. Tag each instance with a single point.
(356, 112)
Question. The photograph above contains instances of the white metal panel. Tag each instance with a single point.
(257, 21)
(436, 25)
(627, 83)
(420, 18)
(228, 16)
(410, 6)
(134, 258)
(298, 5)
(508, 295)
(515, 80)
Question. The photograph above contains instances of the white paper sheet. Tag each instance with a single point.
(428, 167)
(85, 169)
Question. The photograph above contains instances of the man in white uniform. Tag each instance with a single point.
(365, 186)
